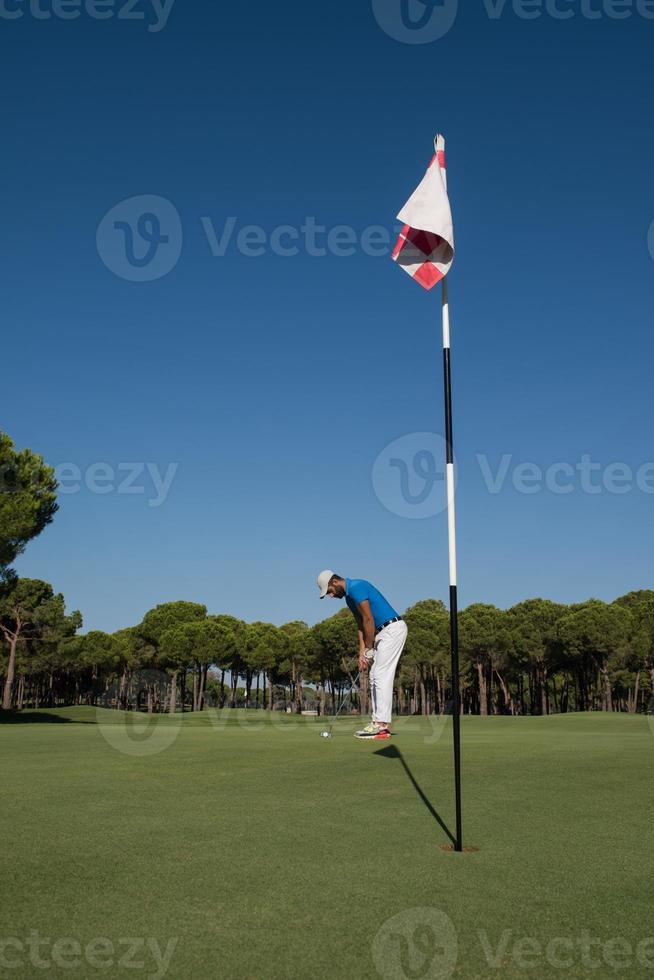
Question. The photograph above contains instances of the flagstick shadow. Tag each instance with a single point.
(392, 752)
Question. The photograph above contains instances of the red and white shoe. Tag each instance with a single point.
(373, 731)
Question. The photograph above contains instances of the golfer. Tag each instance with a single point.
(382, 635)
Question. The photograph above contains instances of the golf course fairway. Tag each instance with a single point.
(242, 846)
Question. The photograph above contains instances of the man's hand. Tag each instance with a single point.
(363, 663)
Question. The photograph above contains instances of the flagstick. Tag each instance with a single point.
(420, 263)
(451, 534)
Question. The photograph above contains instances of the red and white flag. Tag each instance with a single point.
(425, 248)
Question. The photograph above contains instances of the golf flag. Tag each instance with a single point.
(425, 248)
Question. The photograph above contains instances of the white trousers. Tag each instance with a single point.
(388, 647)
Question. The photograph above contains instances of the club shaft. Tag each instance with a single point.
(353, 687)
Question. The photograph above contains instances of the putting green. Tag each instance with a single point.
(235, 846)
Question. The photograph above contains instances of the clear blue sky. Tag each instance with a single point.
(274, 382)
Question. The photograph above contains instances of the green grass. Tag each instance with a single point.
(268, 852)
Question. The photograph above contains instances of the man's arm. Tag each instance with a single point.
(366, 631)
(362, 642)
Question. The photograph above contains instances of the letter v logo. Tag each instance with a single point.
(415, 21)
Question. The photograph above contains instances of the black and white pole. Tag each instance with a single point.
(451, 537)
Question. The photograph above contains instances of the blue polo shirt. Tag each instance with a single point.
(357, 589)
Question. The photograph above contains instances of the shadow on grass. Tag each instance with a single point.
(392, 752)
(31, 717)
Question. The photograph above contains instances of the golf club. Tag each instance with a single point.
(327, 732)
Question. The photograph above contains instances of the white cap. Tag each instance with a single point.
(323, 582)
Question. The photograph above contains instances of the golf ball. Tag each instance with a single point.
(324, 734)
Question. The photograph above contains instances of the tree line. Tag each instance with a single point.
(538, 657)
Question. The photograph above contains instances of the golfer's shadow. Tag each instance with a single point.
(392, 752)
